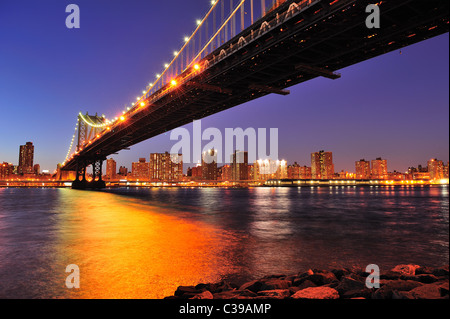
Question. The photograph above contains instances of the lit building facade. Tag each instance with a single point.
(322, 166)
(362, 169)
(26, 157)
(379, 169)
(140, 170)
(209, 165)
(166, 167)
(239, 166)
(111, 172)
(270, 169)
(436, 169)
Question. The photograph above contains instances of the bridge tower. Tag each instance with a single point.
(88, 128)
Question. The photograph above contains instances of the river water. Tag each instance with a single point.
(144, 243)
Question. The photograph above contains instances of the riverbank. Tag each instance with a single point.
(401, 282)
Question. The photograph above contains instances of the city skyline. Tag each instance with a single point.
(394, 106)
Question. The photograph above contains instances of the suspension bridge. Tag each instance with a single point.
(243, 50)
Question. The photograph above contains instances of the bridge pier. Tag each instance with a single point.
(82, 183)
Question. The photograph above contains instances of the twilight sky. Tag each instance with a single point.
(395, 106)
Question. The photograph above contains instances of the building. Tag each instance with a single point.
(322, 166)
(209, 165)
(36, 169)
(293, 171)
(379, 169)
(436, 169)
(123, 171)
(166, 167)
(239, 166)
(270, 169)
(446, 171)
(140, 170)
(225, 173)
(6, 169)
(26, 157)
(362, 169)
(111, 169)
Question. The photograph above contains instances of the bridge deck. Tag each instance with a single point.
(284, 48)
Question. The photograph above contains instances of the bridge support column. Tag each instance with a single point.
(97, 180)
(80, 181)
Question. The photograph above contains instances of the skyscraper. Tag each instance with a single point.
(362, 169)
(322, 166)
(436, 169)
(379, 168)
(26, 156)
(111, 169)
(209, 165)
(166, 167)
(239, 166)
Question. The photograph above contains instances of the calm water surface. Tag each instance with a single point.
(144, 243)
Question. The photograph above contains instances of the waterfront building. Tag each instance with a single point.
(26, 157)
(379, 169)
(322, 166)
(111, 166)
(239, 166)
(362, 169)
(166, 167)
(270, 169)
(436, 169)
(209, 165)
(140, 170)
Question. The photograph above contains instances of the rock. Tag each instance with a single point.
(389, 286)
(391, 275)
(275, 294)
(424, 270)
(187, 291)
(441, 271)
(234, 294)
(423, 278)
(306, 284)
(323, 278)
(275, 283)
(348, 284)
(407, 270)
(203, 295)
(339, 273)
(426, 292)
(443, 287)
(254, 286)
(316, 293)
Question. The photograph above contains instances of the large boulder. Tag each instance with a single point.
(407, 270)
(275, 283)
(389, 286)
(275, 294)
(316, 293)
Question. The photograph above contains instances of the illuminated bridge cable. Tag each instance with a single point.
(88, 122)
(71, 143)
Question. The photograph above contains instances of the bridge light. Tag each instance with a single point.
(142, 103)
(175, 53)
(186, 39)
(122, 118)
(158, 75)
(173, 82)
(198, 22)
(166, 65)
(197, 67)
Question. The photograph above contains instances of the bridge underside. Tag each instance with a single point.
(318, 41)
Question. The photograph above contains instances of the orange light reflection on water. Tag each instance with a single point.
(128, 250)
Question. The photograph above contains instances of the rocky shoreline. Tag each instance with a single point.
(401, 282)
